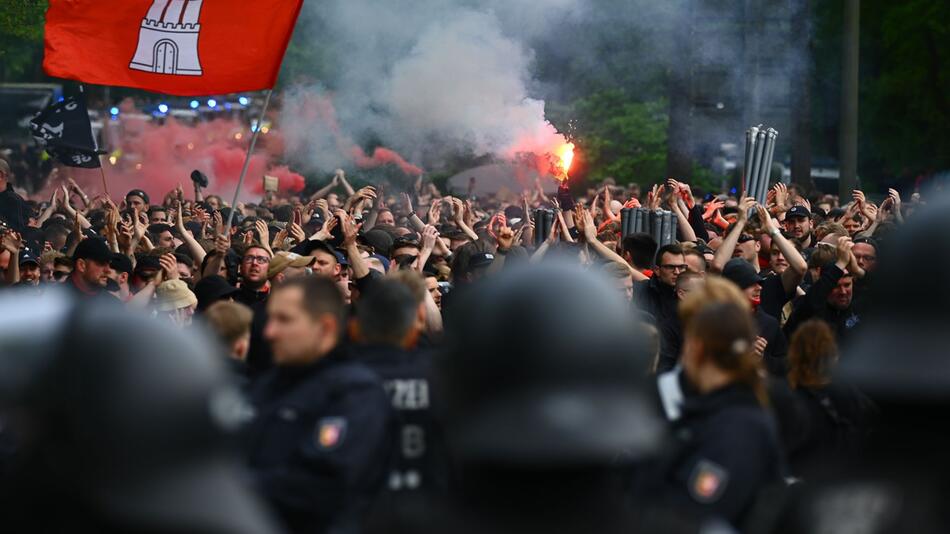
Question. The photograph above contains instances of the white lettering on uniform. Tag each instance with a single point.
(408, 394)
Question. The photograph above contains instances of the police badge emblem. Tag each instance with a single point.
(707, 482)
(330, 432)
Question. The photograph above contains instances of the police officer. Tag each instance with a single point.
(899, 482)
(726, 450)
(539, 393)
(390, 318)
(321, 437)
(117, 422)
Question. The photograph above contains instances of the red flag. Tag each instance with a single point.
(178, 47)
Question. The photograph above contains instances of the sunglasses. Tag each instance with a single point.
(60, 275)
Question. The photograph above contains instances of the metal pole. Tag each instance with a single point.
(767, 165)
(749, 153)
(247, 161)
(756, 162)
(848, 132)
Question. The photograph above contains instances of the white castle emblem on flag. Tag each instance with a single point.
(168, 39)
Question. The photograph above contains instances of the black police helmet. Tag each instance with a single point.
(128, 416)
(545, 366)
(900, 351)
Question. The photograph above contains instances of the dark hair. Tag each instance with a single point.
(157, 208)
(184, 259)
(54, 230)
(672, 248)
(642, 249)
(812, 353)
(283, 213)
(727, 333)
(320, 296)
(386, 313)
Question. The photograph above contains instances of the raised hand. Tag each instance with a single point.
(262, 231)
(781, 196)
(745, 205)
(429, 237)
(169, 266)
(843, 251)
(712, 207)
(348, 227)
(435, 212)
(12, 242)
(222, 243)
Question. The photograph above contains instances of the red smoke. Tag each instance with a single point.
(157, 157)
(318, 109)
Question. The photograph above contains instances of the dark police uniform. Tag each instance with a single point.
(320, 442)
(405, 377)
(726, 452)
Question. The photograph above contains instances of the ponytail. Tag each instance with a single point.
(727, 333)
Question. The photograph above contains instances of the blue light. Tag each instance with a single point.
(227, 105)
(114, 110)
(194, 104)
(212, 102)
(163, 108)
(243, 100)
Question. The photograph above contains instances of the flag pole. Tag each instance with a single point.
(102, 172)
(247, 160)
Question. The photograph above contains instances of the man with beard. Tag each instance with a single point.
(253, 292)
(29, 269)
(798, 225)
(91, 267)
(829, 298)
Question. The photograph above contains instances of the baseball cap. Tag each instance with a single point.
(93, 248)
(147, 263)
(481, 259)
(282, 260)
(741, 273)
(174, 294)
(211, 289)
(798, 211)
(27, 257)
(137, 193)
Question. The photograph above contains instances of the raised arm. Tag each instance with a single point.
(728, 246)
(796, 263)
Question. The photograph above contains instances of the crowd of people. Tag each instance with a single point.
(416, 362)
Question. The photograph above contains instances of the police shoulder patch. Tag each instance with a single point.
(708, 482)
(330, 432)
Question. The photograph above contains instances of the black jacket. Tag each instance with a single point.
(656, 298)
(814, 305)
(775, 358)
(417, 455)
(13, 209)
(320, 442)
(839, 418)
(726, 452)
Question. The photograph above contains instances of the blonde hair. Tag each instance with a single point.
(714, 290)
(230, 321)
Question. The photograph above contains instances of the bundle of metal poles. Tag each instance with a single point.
(544, 220)
(759, 151)
(659, 224)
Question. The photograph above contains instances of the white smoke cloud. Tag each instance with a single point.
(426, 77)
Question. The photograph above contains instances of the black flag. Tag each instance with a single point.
(63, 129)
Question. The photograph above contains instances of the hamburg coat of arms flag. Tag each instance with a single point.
(176, 47)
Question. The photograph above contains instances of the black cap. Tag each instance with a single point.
(121, 263)
(380, 240)
(480, 259)
(211, 289)
(741, 272)
(93, 248)
(798, 211)
(28, 257)
(568, 395)
(137, 193)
